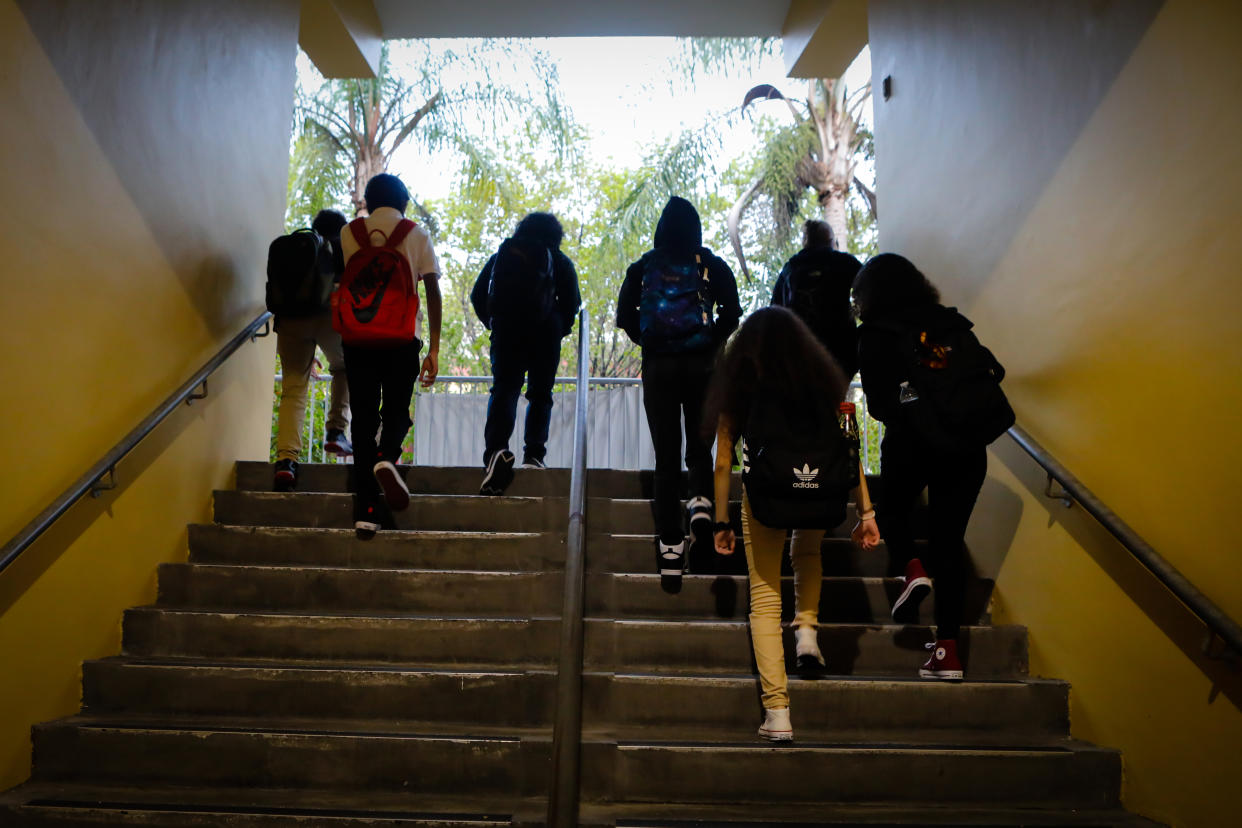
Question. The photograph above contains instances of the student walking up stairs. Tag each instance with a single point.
(292, 674)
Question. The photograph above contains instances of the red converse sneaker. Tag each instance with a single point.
(943, 663)
(917, 587)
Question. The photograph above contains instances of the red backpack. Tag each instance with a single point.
(376, 303)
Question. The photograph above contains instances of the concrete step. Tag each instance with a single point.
(633, 706)
(853, 814)
(694, 647)
(334, 477)
(432, 641)
(616, 516)
(446, 696)
(277, 753)
(434, 512)
(842, 599)
(363, 590)
(50, 805)
(1068, 775)
(496, 551)
(627, 552)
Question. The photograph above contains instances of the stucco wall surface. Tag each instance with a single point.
(1068, 174)
(146, 157)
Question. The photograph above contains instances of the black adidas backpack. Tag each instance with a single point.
(797, 467)
(300, 274)
(957, 400)
(521, 290)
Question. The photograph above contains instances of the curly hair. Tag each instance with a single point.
(543, 227)
(888, 283)
(774, 353)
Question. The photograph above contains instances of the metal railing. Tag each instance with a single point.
(567, 731)
(1220, 626)
(195, 388)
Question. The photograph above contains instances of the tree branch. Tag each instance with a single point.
(734, 221)
(868, 195)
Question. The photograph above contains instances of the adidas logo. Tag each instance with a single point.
(806, 475)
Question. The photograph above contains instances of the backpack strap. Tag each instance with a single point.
(359, 228)
(399, 232)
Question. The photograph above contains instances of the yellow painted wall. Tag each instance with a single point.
(1069, 174)
(145, 149)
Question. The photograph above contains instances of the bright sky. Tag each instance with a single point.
(618, 89)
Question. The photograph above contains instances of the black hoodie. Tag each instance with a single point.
(679, 234)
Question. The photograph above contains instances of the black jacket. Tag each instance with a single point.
(568, 298)
(884, 357)
(839, 335)
(679, 234)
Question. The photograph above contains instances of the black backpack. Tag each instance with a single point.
(522, 287)
(797, 467)
(299, 274)
(811, 288)
(954, 395)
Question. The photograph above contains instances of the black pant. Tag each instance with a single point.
(675, 385)
(375, 375)
(952, 480)
(517, 357)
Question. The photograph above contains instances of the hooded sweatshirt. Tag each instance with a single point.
(679, 235)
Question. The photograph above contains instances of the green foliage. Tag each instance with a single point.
(439, 97)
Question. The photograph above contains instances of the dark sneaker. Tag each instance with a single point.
(917, 586)
(366, 520)
(335, 442)
(943, 663)
(701, 534)
(533, 463)
(390, 480)
(671, 564)
(810, 660)
(286, 479)
(499, 474)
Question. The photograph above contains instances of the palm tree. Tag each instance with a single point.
(819, 151)
(361, 123)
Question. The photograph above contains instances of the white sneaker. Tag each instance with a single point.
(807, 649)
(776, 726)
(396, 493)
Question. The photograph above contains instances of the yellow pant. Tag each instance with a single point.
(765, 547)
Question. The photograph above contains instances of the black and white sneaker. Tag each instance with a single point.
(499, 474)
(533, 463)
(286, 478)
(671, 564)
(700, 511)
(396, 493)
(366, 520)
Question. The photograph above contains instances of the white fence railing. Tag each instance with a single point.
(448, 424)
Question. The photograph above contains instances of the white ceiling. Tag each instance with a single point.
(570, 18)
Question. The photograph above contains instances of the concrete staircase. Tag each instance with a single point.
(290, 674)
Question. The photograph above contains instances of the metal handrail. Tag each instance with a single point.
(106, 467)
(567, 731)
(1218, 623)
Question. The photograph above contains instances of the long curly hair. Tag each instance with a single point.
(774, 353)
(889, 282)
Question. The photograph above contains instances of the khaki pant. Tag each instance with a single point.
(295, 342)
(765, 547)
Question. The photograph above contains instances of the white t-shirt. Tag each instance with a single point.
(416, 247)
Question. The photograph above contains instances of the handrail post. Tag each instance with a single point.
(567, 730)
